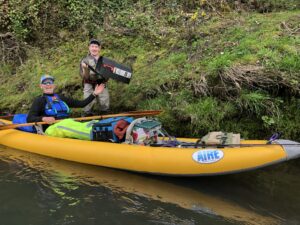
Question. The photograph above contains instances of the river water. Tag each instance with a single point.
(37, 190)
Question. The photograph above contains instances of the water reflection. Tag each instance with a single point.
(61, 186)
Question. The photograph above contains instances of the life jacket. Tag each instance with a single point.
(22, 118)
(56, 107)
(111, 129)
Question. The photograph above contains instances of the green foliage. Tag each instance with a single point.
(167, 69)
(289, 121)
(80, 13)
(219, 63)
(140, 20)
(179, 57)
(116, 5)
(270, 5)
(27, 20)
(206, 115)
(260, 41)
(268, 121)
(23, 17)
(5, 70)
(258, 103)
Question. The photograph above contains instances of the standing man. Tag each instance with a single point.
(90, 79)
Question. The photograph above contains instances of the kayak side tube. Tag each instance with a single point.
(291, 148)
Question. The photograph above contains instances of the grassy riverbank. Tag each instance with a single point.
(231, 71)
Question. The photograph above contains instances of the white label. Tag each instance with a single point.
(208, 156)
(122, 73)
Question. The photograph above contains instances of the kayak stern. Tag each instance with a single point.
(291, 148)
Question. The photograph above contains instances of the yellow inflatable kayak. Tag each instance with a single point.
(156, 160)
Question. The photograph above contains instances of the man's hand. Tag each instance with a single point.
(84, 72)
(84, 65)
(98, 89)
(48, 119)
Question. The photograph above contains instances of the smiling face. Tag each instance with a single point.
(94, 50)
(48, 86)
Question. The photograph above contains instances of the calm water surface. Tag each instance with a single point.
(36, 190)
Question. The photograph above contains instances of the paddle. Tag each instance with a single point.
(6, 116)
(131, 113)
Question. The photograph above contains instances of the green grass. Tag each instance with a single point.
(170, 68)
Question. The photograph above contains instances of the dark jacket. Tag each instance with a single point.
(37, 110)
